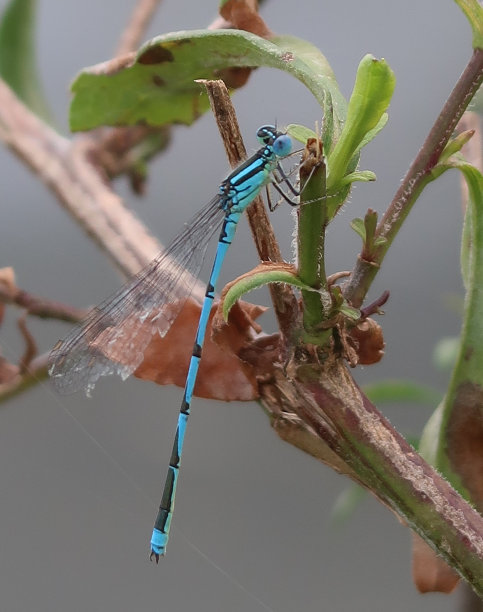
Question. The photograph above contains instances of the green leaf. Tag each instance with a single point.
(371, 134)
(366, 228)
(262, 275)
(17, 55)
(402, 391)
(430, 438)
(474, 181)
(361, 176)
(472, 335)
(369, 100)
(314, 71)
(455, 144)
(159, 87)
(379, 241)
(300, 132)
(350, 312)
(336, 200)
(474, 13)
(359, 227)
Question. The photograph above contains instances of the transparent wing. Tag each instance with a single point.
(113, 337)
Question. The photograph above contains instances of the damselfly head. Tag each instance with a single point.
(267, 134)
(281, 143)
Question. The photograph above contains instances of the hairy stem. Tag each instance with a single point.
(312, 222)
(329, 403)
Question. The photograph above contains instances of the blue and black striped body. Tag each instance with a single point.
(236, 192)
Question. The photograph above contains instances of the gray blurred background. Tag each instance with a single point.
(80, 479)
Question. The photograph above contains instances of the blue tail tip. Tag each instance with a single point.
(158, 545)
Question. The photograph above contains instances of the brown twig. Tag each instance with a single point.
(39, 306)
(31, 349)
(36, 372)
(141, 16)
(374, 307)
(65, 167)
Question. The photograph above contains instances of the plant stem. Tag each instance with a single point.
(417, 177)
(312, 222)
(326, 398)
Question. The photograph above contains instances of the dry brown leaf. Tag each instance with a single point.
(370, 341)
(232, 335)
(430, 572)
(234, 78)
(221, 375)
(243, 15)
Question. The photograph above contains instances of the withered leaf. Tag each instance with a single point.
(430, 572)
(243, 15)
(370, 341)
(222, 375)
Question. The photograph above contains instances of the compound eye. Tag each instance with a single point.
(282, 145)
(266, 134)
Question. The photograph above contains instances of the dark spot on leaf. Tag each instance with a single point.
(158, 81)
(156, 55)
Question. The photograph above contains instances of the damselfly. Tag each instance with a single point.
(115, 334)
